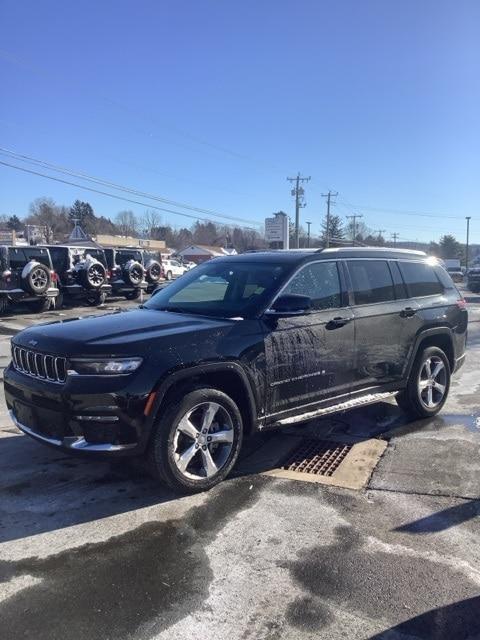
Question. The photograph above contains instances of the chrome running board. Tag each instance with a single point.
(362, 401)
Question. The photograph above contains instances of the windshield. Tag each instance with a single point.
(223, 289)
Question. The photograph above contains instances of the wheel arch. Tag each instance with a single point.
(228, 377)
(441, 337)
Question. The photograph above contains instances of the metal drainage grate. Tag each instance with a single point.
(317, 457)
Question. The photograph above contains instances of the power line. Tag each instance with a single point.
(84, 176)
(401, 211)
(328, 196)
(103, 193)
(299, 193)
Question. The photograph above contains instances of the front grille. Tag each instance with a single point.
(39, 365)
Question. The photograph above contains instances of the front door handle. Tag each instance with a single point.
(337, 322)
(408, 312)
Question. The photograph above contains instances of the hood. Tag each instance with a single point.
(116, 333)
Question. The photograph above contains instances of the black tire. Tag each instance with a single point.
(164, 442)
(37, 280)
(40, 305)
(133, 295)
(96, 299)
(93, 276)
(154, 271)
(412, 398)
(168, 275)
(133, 273)
(4, 304)
(58, 301)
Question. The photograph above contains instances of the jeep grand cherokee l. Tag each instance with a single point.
(255, 341)
(26, 275)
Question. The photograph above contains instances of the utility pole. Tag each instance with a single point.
(354, 225)
(298, 192)
(379, 233)
(395, 236)
(308, 233)
(328, 196)
(467, 247)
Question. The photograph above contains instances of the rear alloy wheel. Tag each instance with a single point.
(197, 440)
(428, 384)
(37, 278)
(95, 275)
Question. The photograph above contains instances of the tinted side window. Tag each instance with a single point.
(400, 289)
(444, 278)
(59, 259)
(319, 281)
(421, 279)
(371, 280)
(17, 258)
(38, 254)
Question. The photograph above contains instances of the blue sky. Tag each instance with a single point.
(215, 102)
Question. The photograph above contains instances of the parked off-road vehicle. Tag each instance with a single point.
(26, 275)
(473, 279)
(81, 274)
(126, 272)
(154, 271)
(241, 343)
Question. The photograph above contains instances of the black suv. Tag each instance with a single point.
(26, 275)
(473, 279)
(81, 274)
(255, 341)
(127, 272)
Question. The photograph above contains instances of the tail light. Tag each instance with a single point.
(6, 275)
(109, 273)
(54, 276)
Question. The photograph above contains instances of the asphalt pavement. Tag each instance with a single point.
(98, 550)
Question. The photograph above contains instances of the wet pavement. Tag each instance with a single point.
(98, 550)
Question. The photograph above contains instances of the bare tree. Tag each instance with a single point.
(151, 220)
(127, 223)
(45, 213)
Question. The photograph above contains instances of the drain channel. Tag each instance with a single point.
(317, 457)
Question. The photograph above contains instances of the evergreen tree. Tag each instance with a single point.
(83, 214)
(335, 231)
(14, 223)
(450, 248)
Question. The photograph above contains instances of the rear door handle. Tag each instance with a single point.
(338, 322)
(408, 312)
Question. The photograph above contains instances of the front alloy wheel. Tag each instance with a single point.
(203, 441)
(197, 440)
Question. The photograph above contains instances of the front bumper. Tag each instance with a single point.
(74, 416)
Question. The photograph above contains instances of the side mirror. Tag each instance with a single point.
(290, 304)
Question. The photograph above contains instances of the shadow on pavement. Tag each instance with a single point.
(457, 621)
(44, 490)
(442, 520)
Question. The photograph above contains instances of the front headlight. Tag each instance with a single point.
(103, 366)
